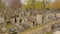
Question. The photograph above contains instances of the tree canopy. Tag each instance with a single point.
(37, 5)
(56, 4)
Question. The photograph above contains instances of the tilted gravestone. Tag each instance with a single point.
(20, 28)
(25, 22)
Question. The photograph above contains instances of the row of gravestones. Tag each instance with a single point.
(38, 17)
(39, 20)
(56, 27)
(2, 21)
(2, 24)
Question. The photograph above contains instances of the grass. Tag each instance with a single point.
(31, 29)
(34, 28)
(10, 26)
(50, 32)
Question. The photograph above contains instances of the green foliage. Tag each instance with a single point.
(36, 5)
(50, 32)
(1, 5)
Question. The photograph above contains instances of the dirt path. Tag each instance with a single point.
(40, 28)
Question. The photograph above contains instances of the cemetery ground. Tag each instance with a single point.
(39, 28)
(36, 28)
(28, 29)
(50, 32)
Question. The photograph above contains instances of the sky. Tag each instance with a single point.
(53, 0)
(24, 1)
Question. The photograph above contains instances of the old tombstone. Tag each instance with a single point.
(13, 20)
(56, 32)
(31, 24)
(44, 31)
(4, 29)
(58, 15)
(20, 28)
(2, 21)
(32, 21)
(39, 19)
(49, 29)
(52, 16)
(25, 22)
(18, 19)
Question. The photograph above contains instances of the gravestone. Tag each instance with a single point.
(32, 21)
(49, 29)
(18, 19)
(52, 16)
(25, 22)
(39, 19)
(4, 29)
(56, 32)
(13, 20)
(2, 21)
(20, 28)
(31, 24)
(44, 31)
(58, 15)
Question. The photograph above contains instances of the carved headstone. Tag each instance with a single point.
(39, 19)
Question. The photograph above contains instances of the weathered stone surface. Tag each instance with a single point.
(13, 20)
(58, 15)
(39, 19)
(18, 19)
(20, 27)
(49, 29)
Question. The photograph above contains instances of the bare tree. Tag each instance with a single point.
(2, 7)
(33, 11)
(33, 4)
(45, 3)
(15, 4)
(14, 7)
